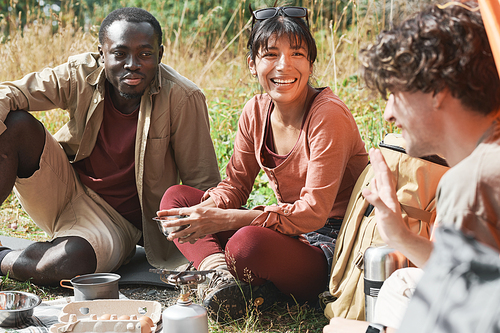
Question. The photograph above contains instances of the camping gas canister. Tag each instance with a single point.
(185, 317)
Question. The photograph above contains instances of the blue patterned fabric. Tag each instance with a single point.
(325, 238)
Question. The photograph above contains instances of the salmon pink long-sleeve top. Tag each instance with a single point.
(315, 180)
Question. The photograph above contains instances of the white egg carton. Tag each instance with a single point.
(84, 316)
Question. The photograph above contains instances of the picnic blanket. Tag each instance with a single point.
(47, 314)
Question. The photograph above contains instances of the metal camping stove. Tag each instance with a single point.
(184, 316)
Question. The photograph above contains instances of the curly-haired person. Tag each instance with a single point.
(438, 73)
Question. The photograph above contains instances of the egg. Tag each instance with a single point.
(124, 317)
(145, 328)
(105, 316)
(147, 320)
(146, 324)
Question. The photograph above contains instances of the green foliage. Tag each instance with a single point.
(224, 113)
(367, 108)
(262, 194)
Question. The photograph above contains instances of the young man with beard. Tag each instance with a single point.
(135, 128)
(445, 97)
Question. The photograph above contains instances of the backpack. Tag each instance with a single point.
(417, 181)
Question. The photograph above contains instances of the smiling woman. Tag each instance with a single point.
(307, 142)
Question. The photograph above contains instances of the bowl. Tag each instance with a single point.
(16, 307)
(167, 230)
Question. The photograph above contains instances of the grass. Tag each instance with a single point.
(279, 319)
(218, 66)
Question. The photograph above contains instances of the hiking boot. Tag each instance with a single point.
(228, 299)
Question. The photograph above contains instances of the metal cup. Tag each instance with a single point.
(167, 230)
(94, 286)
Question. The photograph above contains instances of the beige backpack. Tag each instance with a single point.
(417, 181)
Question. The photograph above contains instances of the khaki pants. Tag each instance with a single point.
(395, 295)
(60, 205)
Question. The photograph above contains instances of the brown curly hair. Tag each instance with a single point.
(436, 49)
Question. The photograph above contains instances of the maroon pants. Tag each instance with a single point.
(255, 254)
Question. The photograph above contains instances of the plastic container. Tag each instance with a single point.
(86, 316)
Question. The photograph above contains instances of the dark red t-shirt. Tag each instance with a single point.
(109, 170)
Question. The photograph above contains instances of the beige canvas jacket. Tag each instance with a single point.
(173, 141)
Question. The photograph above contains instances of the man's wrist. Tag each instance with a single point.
(375, 328)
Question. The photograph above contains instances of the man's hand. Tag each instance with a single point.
(390, 223)
(382, 196)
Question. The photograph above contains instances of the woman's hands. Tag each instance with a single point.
(205, 219)
(201, 221)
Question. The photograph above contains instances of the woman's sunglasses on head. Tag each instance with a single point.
(267, 13)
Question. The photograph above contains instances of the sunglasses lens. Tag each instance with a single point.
(264, 14)
(295, 11)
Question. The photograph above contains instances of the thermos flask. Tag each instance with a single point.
(379, 263)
